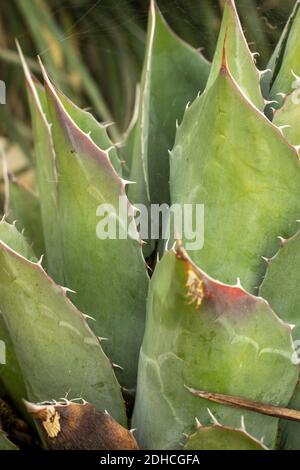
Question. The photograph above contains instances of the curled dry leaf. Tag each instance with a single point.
(76, 426)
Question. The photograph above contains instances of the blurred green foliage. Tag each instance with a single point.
(94, 49)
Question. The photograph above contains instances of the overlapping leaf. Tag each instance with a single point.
(239, 56)
(81, 178)
(219, 437)
(98, 269)
(46, 174)
(10, 372)
(215, 337)
(173, 74)
(24, 208)
(56, 351)
(285, 62)
(288, 117)
(98, 132)
(229, 157)
(281, 288)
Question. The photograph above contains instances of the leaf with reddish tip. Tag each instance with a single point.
(239, 56)
(24, 208)
(229, 157)
(54, 347)
(91, 126)
(172, 76)
(209, 336)
(108, 275)
(219, 437)
(75, 426)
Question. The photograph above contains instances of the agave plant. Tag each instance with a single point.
(192, 348)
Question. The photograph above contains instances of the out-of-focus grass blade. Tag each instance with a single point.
(48, 37)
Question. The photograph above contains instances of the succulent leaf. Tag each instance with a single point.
(172, 76)
(219, 437)
(276, 58)
(24, 208)
(281, 288)
(57, 352)
(46, 173)
(287, 117)
(286, 59)
(229, 157)
(89, 125)
(220, 338)
(239, 56)
(10, 372)
(283, 275)
(86, 179)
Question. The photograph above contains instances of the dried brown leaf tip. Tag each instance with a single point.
(76, 426)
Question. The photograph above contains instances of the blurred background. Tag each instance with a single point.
(94, 49)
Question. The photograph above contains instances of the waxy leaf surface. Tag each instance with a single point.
(57, 352)
(204, 333)
(229, 157)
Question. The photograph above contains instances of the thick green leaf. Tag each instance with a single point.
(286, 61)
(46, 174)
(108, 275)
(5, 443)
(230, 158)
(89, 125)
(281, 283)
(276, 58)
(290, 430)
(24, 208)
(57, 352)
(281, 288)
(15, 240)
(70, 223)
(219, 437)
(288, 117)
(239, 56)
(173, 74)
(10, 372)
(219, 338)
